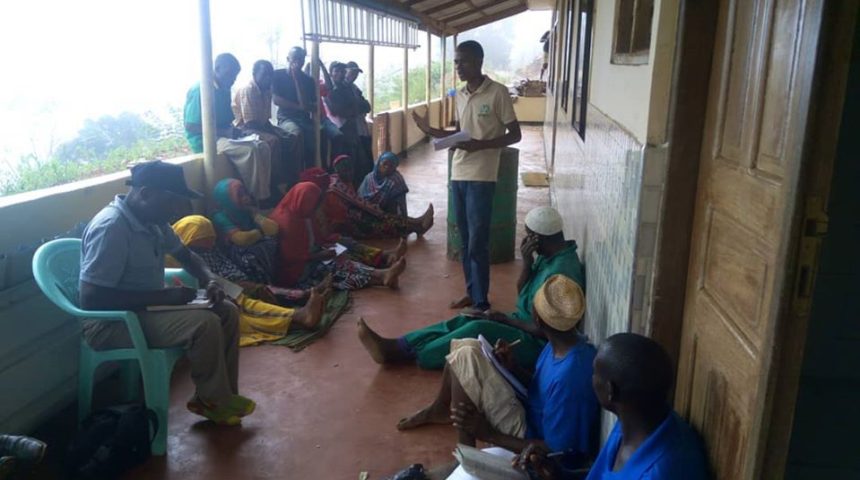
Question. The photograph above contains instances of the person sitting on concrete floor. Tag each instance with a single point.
(251, 157)
(365, 138)
(360, 252)
(559, 412)
(304, 259)
(18, 455)
(259, 321)
(429, 345)
(486, 113)
(247, 236)
(252, 107)
(632, 379)
(385, 186)
(348, 214)
(122, 268)
(294, 93)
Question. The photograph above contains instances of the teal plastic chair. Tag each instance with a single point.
(56, 266)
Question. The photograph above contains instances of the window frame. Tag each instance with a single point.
(624, 48)
(582, 64)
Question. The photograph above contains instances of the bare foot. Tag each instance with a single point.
(324, 285)
(372, 342)
(426, 416)
(396, 254)
(309, 316)
(426, 221)
(392, 275)
(463, 302)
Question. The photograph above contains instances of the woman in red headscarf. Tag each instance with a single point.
(305, 259)
(349, 214)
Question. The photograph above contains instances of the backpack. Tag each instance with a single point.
(110, 442)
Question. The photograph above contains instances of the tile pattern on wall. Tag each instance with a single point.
(596, 185)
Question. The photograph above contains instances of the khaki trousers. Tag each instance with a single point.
(210, 338)
(253, 161)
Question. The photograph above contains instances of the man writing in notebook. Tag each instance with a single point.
(122, 268)
(560, 410)
(485, 111)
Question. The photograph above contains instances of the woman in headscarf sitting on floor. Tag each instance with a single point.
(305, 258)
(360, 252)
(349, 214)
(249, 239)
(259, 321)
(385, 186)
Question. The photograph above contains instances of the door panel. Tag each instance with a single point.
(739, 230)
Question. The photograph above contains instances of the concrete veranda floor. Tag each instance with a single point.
(329, 412)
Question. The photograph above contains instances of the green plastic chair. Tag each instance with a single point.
(56, 267)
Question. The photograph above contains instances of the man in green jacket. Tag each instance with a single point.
(545, 253)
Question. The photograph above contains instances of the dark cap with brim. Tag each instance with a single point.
(161, 176)
(353, 66)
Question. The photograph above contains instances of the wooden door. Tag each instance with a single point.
(752, 147)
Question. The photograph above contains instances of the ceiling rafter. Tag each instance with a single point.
(490, 18)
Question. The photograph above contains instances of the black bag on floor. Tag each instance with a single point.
(110, 442)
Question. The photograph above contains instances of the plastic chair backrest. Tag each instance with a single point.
(56, 268)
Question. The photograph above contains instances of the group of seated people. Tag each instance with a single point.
(286, 266)
(267, 155)
(549, 427)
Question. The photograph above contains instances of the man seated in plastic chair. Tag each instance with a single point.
(122, 268)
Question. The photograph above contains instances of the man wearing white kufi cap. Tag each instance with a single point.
(545, 253)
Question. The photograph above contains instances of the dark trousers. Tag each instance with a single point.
(473, 203)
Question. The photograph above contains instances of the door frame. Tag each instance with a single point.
(821, 79)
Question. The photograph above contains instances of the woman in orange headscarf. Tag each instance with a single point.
(304, 258)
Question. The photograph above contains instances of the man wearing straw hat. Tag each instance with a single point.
(559, 411)
(545, 253)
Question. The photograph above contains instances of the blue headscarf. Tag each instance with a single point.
(381, 190)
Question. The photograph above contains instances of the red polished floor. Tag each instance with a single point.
(329, 411)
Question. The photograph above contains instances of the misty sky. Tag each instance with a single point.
(66, 61)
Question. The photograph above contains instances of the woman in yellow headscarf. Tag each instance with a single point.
(259, 321)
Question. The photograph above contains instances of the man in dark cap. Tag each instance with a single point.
(362, 110)
(122, 268)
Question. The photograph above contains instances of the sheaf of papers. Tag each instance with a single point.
(338, 249)
(451, 140)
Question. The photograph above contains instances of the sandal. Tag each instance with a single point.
(413, 472)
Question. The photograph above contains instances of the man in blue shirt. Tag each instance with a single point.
(294, 92)
(122, 268)
(632, 379)
(559, 412)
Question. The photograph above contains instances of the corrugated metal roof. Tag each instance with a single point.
(447, 17)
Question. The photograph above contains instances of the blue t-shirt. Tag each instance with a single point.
(561, 408)
(673, 451)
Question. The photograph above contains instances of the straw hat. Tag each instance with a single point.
(560, 303)
(544, 221)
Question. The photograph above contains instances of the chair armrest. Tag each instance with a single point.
(172, 274)
(132, 323)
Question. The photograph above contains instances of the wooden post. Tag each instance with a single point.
(405, 100)
(207, 94)
(371, 60)
(428, 71)
(443, 110)
(315, 73)
(453, 84)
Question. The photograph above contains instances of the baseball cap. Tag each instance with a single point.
(353, 66)
(162, 176)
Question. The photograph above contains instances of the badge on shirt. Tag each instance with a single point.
(484, 110)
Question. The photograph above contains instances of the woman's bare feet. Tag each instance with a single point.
(382, 350)
(426, 221)
(393, 255)
(463, 302)
(430, 415)
(392, 274)
(309, 316)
